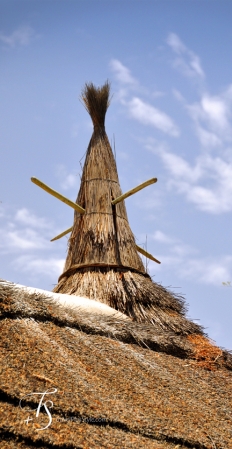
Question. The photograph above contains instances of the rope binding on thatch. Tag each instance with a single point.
(77, 267)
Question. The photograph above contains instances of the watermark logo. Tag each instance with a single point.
(42, 403)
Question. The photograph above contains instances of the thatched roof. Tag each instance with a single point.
(121, 365)
(120, 384)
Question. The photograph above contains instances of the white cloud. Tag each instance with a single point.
(182, 249)
(122, 73)
(149, 115)
(208, 271)
(17, 233)
(175, 43)
(217, 198)
(180, 258)
(186, 61)
(21, 36)
(216, 110)
(207, 183)
(177, 247)
(137, 108)
(178, 96)
(24, 216)
(24, 239)
(67, 180)
(212, 117)
(39, 266)
(159, 236)
(202, 270)
(180, 168)
(156, 146)
(207, 138)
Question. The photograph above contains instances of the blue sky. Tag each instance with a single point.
(169, 64)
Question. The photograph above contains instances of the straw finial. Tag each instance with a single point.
(96, 101)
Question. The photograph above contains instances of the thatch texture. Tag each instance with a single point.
(119, 384)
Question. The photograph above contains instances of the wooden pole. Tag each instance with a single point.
(62, 234)
(146, 254)
(136, 189)
(58, 195)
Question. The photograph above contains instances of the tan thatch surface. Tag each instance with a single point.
(119, 384)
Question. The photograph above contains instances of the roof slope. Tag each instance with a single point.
(120, 384)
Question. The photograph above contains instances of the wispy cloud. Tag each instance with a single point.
(175, 246)
(25, 239)
(67, 180)
(22, 36)
(23, 231)
(207, 138)
(207, 270)
(185, 261)
(204, 270)
(24, 245)
(186, 60)
(49, 267)
(207, 183)
(180, 168)
(143, 112)
(159, 236)
(122, 73)
(212, 117)
(149, 115)
(24, 216)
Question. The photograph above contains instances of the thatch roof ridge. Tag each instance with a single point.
(110, 393)
(42, 306)
(22, 302)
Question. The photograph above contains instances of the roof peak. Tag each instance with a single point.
(96, 101)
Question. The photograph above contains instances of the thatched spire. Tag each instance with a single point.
(102, 236)
(102, 261)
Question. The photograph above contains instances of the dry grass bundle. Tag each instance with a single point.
(96, 102)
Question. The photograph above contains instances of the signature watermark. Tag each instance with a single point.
(48, 404)
(82, 419)
(42, 403)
